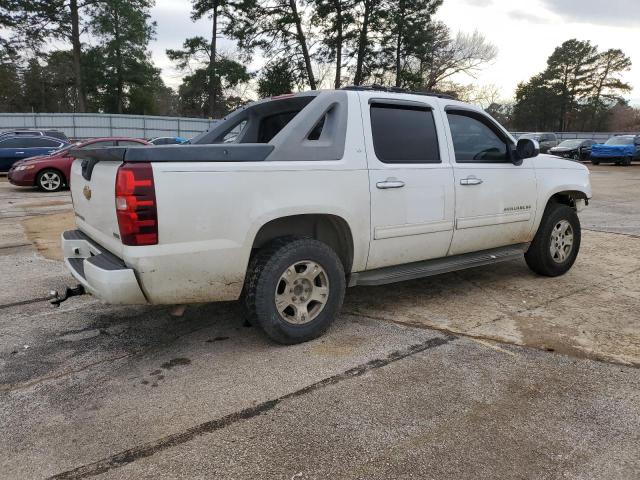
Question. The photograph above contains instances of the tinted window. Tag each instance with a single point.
(12, 143)
(270, 126)
(404, 134)
(129, 143)
(474, 141)
(40, 143)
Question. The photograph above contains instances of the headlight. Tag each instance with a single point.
(25, 167)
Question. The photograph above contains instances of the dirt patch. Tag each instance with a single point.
(44, 232)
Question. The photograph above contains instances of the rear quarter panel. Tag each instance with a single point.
(209, 215)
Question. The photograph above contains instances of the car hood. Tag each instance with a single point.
(35, 159)
(552, 161)
(562, 149)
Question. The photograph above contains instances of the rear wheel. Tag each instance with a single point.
(555, 247)
(50, 180)
(294, 289)
(595, 162)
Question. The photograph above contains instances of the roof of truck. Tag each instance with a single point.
(382, 88)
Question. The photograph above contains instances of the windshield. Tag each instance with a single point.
(620, 141)
(570, 144)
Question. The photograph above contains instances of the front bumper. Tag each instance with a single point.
(101, 273)
(21, 178)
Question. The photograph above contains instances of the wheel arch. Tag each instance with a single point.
(568, 197)
(328, 228)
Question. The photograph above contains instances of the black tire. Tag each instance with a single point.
(595, 162)
(627, 161)
(50, 180)
(539, 257)
(264, 278)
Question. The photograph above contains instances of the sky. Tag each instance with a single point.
(524, 31)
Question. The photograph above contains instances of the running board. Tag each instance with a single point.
(427, 268)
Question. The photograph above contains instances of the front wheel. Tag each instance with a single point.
(294, 289)
(555, 247)
(595, 162)
(627, 161)
(50, 180)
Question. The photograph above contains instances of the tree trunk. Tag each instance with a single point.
(596, 97)
(213, 84)
(362, 42)
(339, 40)
(303, 44)
(119, 66)
(400, 32)
(81, 94)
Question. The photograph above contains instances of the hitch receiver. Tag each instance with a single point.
(56, 299)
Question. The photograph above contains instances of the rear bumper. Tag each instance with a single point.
(101, 273)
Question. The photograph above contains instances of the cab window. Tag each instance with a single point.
(404, 134)
(475, 140)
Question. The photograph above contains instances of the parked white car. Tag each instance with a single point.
(316, 192)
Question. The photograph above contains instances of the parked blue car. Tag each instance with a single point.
(621, 150)
(17, 147)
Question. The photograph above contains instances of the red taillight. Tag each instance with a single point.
(136, 204)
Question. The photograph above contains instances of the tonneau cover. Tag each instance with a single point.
(219, 152)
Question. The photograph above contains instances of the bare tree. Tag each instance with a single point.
(447, 57)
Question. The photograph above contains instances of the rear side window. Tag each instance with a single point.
(129, 143)
(40, 142)
(12, 143)
(404, 134)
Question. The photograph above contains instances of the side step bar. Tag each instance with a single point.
(410, 271)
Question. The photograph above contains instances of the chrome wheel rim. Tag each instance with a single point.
(302, 292)
(50, 181)
(561, 241)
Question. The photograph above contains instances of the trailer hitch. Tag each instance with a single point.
(56, 298)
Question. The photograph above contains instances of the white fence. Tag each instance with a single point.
(599, 137)
(92, 125)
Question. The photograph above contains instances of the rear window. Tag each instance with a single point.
(404, 134)
(257, 123)
(270, 126)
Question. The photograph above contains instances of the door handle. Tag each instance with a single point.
(390, 183)
(470, 181)
(19, 153)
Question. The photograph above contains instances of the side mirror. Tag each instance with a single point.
(527, 148)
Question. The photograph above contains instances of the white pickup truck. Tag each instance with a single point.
(291, 199)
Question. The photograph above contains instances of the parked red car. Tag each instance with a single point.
(51, 172)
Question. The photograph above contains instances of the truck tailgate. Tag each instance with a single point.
(94, 203)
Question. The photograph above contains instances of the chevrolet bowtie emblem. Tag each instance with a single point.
(87, 192)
